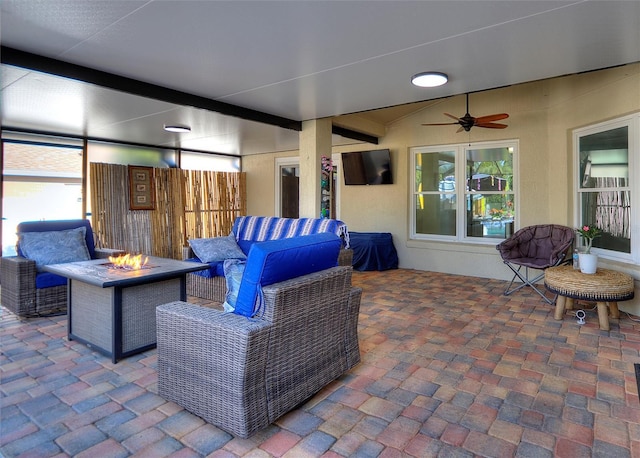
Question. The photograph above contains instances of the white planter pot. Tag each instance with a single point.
(588, 263)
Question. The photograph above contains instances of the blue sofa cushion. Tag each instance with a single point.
(245, 245)
(47, 280)
(216, 269)
(278, 260)
(263, 228)
(217, 249)
(54, 247)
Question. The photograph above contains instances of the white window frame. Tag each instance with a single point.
(632, 122)
(460, 150)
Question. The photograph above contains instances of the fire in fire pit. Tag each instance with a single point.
(128, 262)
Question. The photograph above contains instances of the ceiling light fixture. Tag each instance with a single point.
(177, 128)
(429, 79)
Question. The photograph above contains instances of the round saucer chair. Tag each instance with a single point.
(535, 247)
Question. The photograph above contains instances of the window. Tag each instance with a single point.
(604, 157)
(206, 161)
(464, 192)
(42, 180)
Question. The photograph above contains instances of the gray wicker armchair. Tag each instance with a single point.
(242, 374)
(20, 292)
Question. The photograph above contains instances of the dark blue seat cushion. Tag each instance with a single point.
(216, 269)
(278, 260)
(245, 245)
(47, 280)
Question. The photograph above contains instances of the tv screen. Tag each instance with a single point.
(367, 167)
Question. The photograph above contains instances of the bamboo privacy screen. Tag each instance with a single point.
(189, 204)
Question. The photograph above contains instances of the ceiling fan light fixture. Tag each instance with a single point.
(177, 128)
(429, 79)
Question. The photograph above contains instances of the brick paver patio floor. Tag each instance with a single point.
(450, 368)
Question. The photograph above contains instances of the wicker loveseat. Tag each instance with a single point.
(26, 291)
(210, 283)
(242, 373)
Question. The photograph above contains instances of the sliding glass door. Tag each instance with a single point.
(42, 180)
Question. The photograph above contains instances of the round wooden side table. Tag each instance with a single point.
(604, 287)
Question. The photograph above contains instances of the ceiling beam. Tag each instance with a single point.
(11, 56)
(45, 133)
(35, 62)
(354, 135)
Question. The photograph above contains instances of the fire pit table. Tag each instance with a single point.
(113, 310)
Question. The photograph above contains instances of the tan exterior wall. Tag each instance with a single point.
(542, 116)
(261, 185)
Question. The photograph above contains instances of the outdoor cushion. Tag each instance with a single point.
(59, 225)
(216, 269)
(278, 260)
(263, 228)
(217, 249)
(245, 245)
(48, 280)
(54, 247)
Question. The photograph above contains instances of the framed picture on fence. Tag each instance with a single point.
(141, 188)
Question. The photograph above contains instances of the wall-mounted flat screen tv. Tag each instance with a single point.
(367, 167)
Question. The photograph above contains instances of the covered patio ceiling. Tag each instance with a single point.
(245, 75)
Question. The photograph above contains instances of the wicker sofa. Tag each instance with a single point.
(26, 291)
(242, 374)
(243, 370)
(210, 284)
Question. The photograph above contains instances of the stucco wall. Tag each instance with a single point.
(261, 170)
(542, 116)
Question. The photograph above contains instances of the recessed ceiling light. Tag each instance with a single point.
(429, 79)
(177, 128)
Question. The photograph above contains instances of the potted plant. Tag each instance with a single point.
(588, 261)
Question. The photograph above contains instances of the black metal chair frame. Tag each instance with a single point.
(526, 281)
(560, 254)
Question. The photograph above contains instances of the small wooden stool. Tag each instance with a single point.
(604, 287)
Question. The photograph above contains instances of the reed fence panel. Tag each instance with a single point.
(188, 204)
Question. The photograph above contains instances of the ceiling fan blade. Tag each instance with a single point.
(460, 130)
(468, 121)
(491, 125)
(493, 117)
